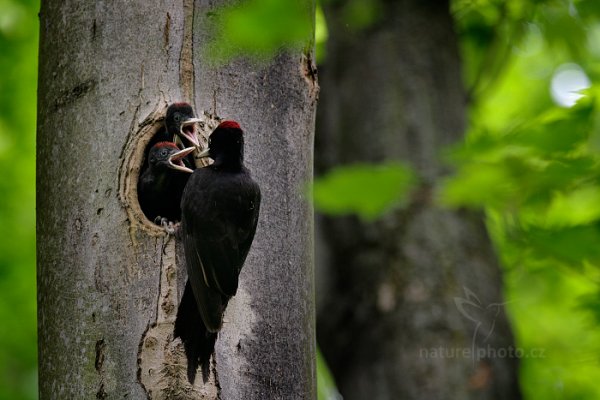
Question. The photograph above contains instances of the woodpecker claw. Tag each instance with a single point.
(168, 226)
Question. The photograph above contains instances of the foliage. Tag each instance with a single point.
(539, 181)
(259, 29)
(18, 64)
(365, 190)
(326, 389)
(535, 168)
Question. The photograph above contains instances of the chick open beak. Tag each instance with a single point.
(188, 130)
(176, 162)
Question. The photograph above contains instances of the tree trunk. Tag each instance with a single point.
(408, 299)
(107, 277)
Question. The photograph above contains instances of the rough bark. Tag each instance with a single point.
(107, 277)
(387, 316)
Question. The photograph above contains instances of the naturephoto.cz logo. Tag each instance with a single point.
(484, 317)
(478, 353)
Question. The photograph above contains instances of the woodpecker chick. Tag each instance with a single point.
(181, 124)
(161, 185)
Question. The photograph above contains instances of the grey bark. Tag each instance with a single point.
(107, 277)
(392, 307)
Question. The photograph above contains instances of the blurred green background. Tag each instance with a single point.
(530, 160)
(18, 77)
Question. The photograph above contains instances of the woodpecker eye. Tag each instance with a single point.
(177, 117)
(163, 153)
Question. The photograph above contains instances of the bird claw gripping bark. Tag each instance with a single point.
(168, 226)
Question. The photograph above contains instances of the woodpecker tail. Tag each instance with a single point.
(198, 342)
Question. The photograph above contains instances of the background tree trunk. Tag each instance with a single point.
(107, 277)
(387, 322)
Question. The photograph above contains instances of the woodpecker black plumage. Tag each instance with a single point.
(161, 185)
(220, 207)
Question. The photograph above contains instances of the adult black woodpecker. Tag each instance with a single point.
(161, 185)
(220, 207)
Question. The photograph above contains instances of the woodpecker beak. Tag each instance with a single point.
(188, 130)
(175, 160)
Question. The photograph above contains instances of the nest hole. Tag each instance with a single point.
(142, 208)
(134, 161)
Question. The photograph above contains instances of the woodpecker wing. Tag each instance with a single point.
(220, 214)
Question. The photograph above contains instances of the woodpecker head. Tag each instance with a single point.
(181, 123)
(165, 155)
(226, 143)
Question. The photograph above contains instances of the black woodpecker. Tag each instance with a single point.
(180, 128)
(181, 125)
(161, 185)
(220, 207)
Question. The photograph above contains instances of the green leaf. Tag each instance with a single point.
(588, 8)
(321, 35)
(563, 29)
(590, 302)
(578, 207)
(259, 29)
(366, 190)
(360, 14)
(326, 389)
(571, 245)
(558, 130)
(479, 185)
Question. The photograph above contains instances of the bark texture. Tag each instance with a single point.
(403, 298)
(108, 278)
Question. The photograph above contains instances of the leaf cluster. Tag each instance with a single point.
(534, 167)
